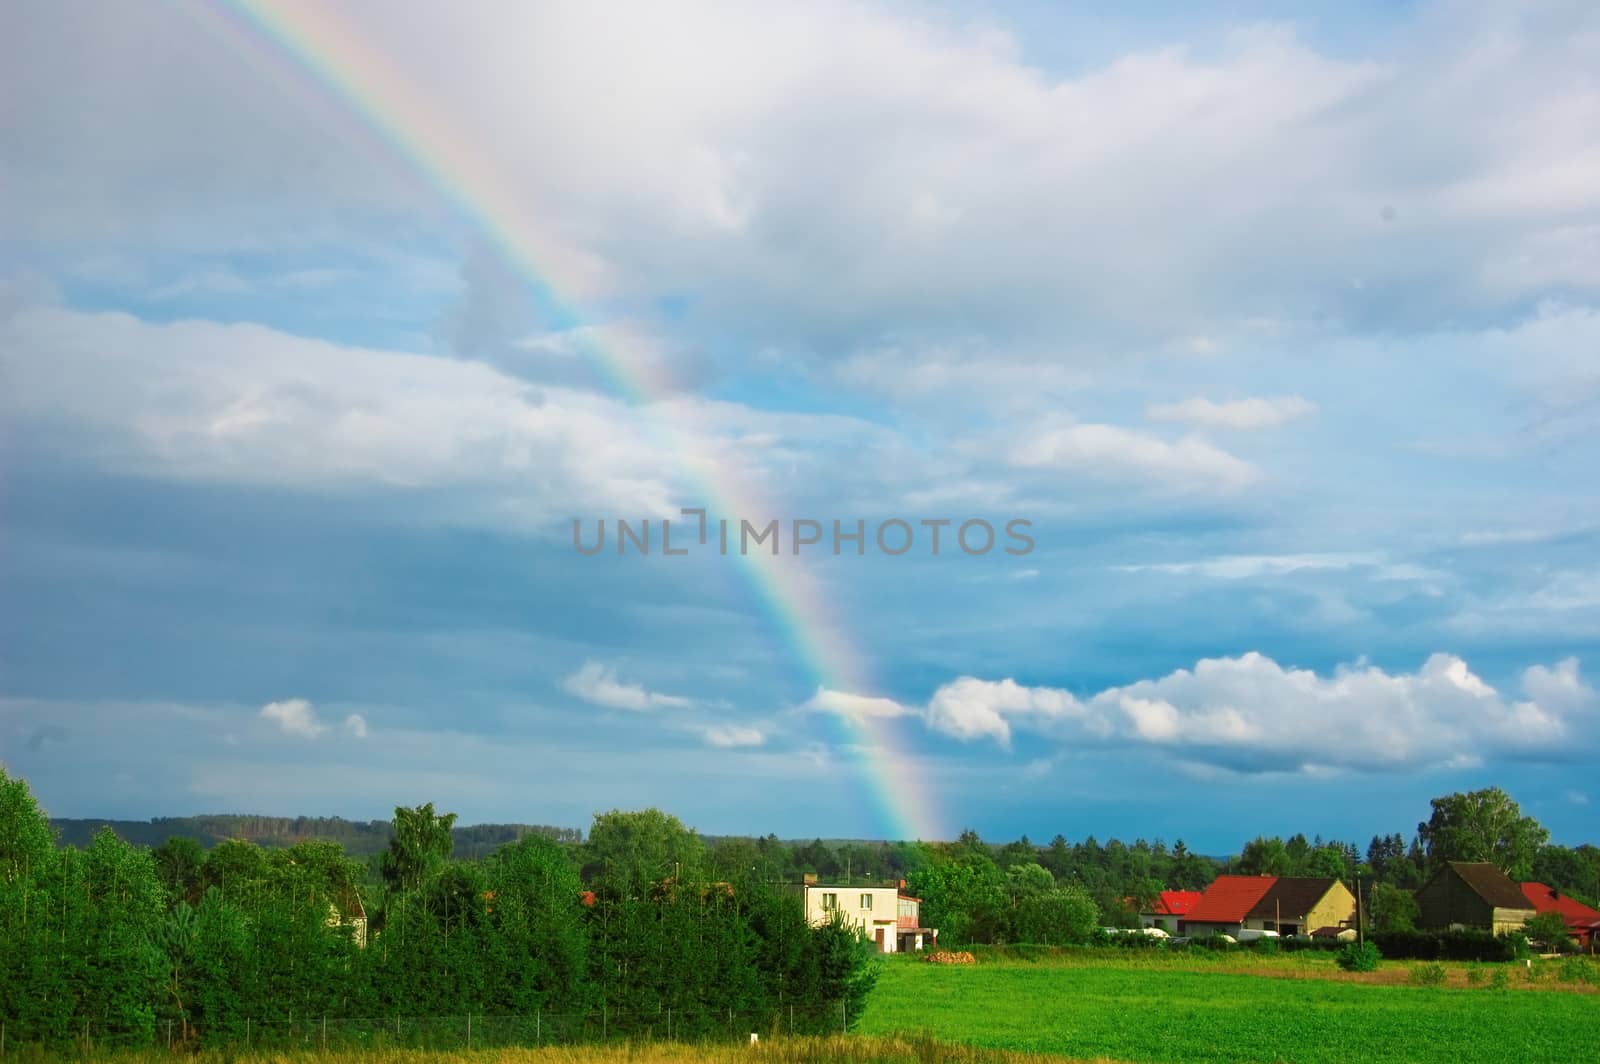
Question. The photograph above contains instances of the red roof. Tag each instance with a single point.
(1546, 900)
(1229, 899)
(1175, 902)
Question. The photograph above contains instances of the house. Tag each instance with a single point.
(887, 915)
(1226, 904)
(346, 911)
(1169, 910)
(1582, 921)
(1299, 905)
(1472, 894)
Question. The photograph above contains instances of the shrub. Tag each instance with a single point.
(1359, 957)
(1498, 979)
(1428, 974)
(1578, 970)
(1475, 976)
(1450, 945)
(1265, 945)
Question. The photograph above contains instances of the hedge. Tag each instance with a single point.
(1450, 945)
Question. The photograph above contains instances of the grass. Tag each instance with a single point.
(835, 1050)
(1175, 1007)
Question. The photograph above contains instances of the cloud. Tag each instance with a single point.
(295, 716)
(1112, 453)
(1251, 714)
(1256, 566)
(1242, 414)
(729, 736)
(970, 708)
(598, 684)
(1334, 185)
(846, 704)
(355, 725)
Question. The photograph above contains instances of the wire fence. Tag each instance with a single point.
(696, 1024)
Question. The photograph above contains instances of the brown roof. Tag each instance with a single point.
(1293, 896)
(1491, 884)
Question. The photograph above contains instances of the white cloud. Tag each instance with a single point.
(1256, 566)
(970, 708)
(355, 725)
(247, 404)
(1240, 414)
(598, 684)
(846, 704)
(729, 736)
(978, 183)
(294, 716)
(1251, 713)
(1112, 453)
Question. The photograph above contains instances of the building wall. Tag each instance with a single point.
(1445, 900)
(1510, 919)
(881, 911)
(1194, 930)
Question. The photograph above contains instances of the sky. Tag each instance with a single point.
(1280, 334)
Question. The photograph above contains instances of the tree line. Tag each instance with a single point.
(642, 916)
(633, 923)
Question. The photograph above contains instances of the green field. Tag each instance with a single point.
(1154, 1013)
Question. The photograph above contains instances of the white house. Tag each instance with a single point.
(887, 915)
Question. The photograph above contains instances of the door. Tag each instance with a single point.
(881, 943)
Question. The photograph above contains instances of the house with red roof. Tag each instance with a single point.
(1170, 910)
(1582, 921)
(1225, 905)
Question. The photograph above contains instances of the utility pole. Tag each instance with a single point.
(1361, 924)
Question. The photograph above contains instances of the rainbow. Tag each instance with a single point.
(313, 38)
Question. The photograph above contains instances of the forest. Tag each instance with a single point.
(638, 922)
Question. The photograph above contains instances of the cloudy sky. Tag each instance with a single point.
(1282, 333)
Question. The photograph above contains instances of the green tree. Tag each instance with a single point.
(628, 853)
(1060, 917)
(1549, 929)
(1482, 825)
(1389, 908)
(1269, 857)
(180, 863)
(422, 842)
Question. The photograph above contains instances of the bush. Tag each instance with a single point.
(1428, 974)
(1450, 945)
(1498, 979)
(1475, 976)
(1265, 945)
(1219, 943)
(1359, 957)
(1578, 970)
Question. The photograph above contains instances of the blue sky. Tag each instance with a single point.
(1283, 332)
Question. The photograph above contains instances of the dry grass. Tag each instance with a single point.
(835, 1050)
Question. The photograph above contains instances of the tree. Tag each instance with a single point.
(422, 841)
(1550, 929)
(1061, 917)
(1482, 825)
(180, 862)
(628, 853)
(1391, 909)
(1266, 857)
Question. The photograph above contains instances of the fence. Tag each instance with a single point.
(329, 1033)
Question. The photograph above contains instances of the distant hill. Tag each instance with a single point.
(360, 838)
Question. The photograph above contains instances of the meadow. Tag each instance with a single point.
(1234, 1008)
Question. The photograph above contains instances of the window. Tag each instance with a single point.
(830, 902)
(866, 901)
